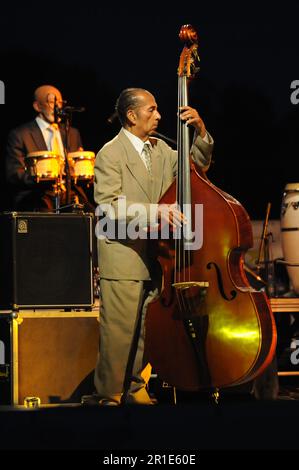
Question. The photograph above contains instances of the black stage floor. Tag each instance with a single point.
(195, 426)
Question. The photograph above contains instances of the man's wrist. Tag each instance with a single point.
(203, 132)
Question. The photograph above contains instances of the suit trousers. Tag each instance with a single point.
(120, 303)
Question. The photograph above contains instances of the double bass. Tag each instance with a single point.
(208, 328)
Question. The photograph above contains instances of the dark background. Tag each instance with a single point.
(249, 57)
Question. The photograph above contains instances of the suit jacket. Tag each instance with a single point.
(21, 141)
(119, 171)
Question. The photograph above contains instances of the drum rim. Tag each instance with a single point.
(83, 155)
(43, 154)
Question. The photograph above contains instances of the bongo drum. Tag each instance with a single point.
(82, 165)
(43, 165)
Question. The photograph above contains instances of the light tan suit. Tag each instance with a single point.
(124, 264)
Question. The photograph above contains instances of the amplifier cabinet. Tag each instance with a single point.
(6, 367)
(46, 260)
(49, 354)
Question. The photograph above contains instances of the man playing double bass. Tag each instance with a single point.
(134, 167)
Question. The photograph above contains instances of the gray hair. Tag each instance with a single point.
(128, 99)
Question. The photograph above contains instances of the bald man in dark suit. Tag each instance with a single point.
(27, 194)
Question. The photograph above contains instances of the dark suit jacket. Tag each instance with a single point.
(21, 141)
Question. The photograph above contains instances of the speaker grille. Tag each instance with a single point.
(49, 259)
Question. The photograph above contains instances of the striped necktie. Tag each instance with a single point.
(147, 153)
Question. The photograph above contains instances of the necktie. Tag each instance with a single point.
(148, 158)
(55, 145)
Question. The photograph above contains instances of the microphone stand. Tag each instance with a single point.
(58, 184)
(268, 262)
(65, 115)
(64, 118)
(68, 179)
(164, 137)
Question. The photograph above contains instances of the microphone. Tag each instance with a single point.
(164, 137)
(66, 111)
(112, 118)
(73, 109)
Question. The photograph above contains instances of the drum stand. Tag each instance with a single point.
(57, 187)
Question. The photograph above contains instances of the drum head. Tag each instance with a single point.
(81, 155)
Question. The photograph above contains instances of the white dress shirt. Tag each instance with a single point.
(47, 132)
(138, 144)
